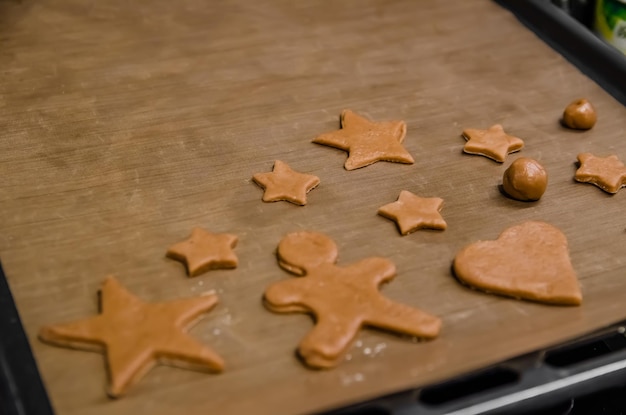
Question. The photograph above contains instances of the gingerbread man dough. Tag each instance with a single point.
(342, 299)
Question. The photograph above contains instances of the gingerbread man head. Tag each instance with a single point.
(300, 252)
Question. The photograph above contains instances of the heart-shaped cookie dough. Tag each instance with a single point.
(529, 261)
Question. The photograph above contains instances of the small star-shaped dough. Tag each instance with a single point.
(204, 251)
(411, 212)
(135, 335)
(367, 142)
(608, 173)
(493, 143)
(284, 183)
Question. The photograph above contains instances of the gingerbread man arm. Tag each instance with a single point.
(388, 315)
(286, 296)
(325, 345)
(376, 270)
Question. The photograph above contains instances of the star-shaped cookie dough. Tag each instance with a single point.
(284, 183)
(367, 142)
(411, 212)
(204, 251)
(135, 335)
(493, 143)
(608, 173)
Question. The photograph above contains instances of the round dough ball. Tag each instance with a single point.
(580, 115)
(525, 180)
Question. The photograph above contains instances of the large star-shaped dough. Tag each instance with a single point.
(284, 183)
(368, 142)
(608, 173)
(411, 212)
(136, 335)
(493, 143)
(204, 251)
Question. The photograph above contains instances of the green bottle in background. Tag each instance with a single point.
(610, 22)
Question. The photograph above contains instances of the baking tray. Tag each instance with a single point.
(548, 379)
(572, 37)
(514, 382)
(21, 389)
(525, 384)
(545, 380)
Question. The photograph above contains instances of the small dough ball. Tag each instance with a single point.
(525, 180)
(580, 115)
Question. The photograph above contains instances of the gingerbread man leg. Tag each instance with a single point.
(327, 342)
(403, 319)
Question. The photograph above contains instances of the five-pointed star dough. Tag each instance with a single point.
(204, 251)
(136, 335)
(608, 173)
(411, 212)
(342, 299)
(493, 143)
(368, 142)
(284, 183)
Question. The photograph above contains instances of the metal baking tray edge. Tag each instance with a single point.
(592, 56)
(21, 389)
(534, 382)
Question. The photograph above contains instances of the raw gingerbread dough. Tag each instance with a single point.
(525, 180)
(342, 299)
(367, 142)
(608, 173)
(493, 143)
(134, 335)
(284, 183)
(411, 212)
(528, 261)
(579, 115)
(204, 251)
